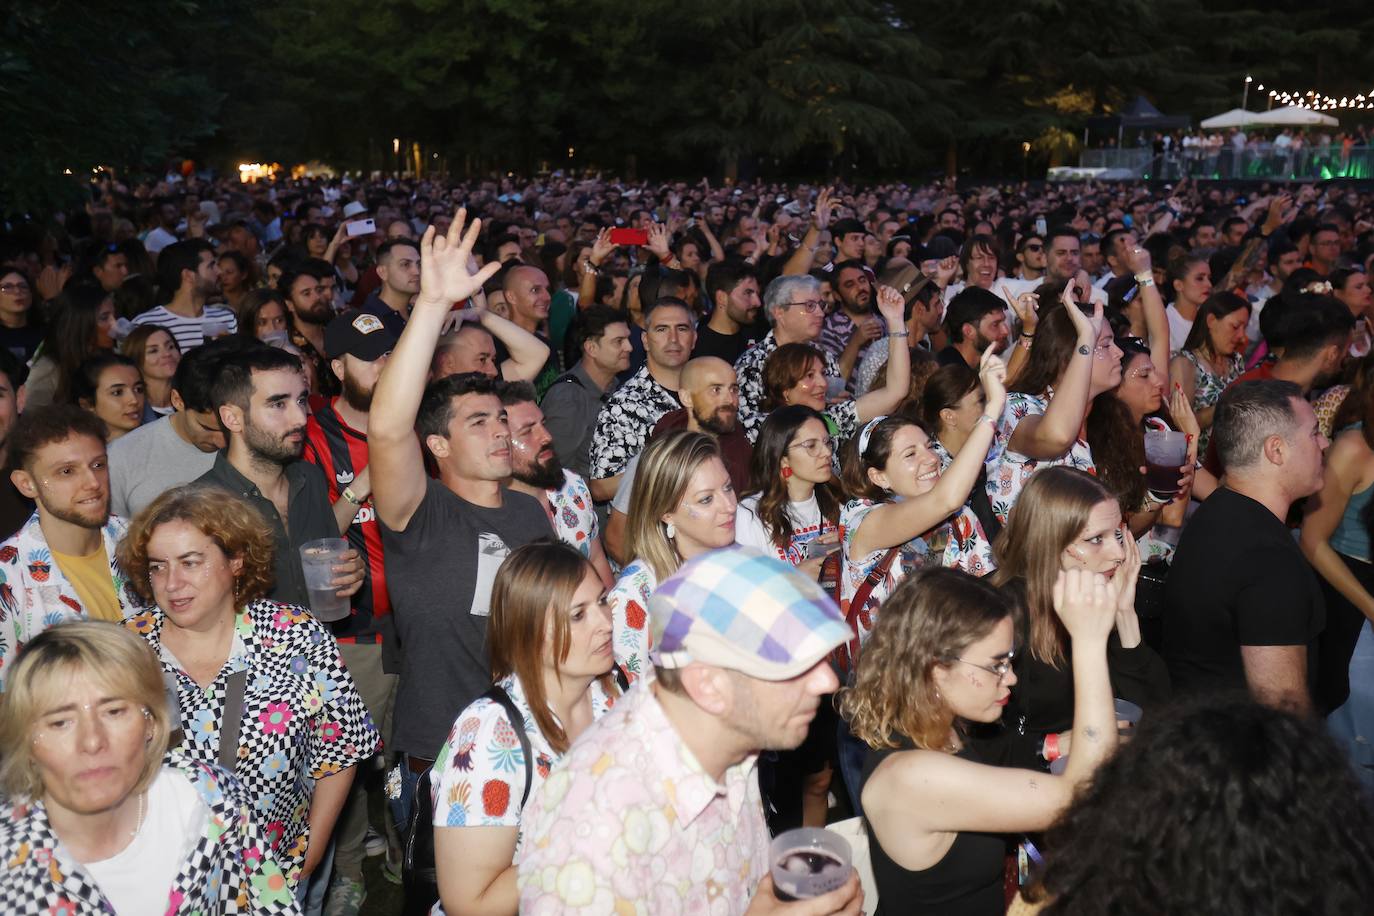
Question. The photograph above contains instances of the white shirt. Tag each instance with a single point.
(807, 526)
(138, 879)
(158, 239)
(1178, 328)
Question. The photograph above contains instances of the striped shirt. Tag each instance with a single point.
(189, 332)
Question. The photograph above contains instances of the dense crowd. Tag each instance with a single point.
(604, 530)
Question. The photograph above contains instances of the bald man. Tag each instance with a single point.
(710, 404)
(473, 347)
(528, 297)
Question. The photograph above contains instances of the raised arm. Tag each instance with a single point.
(886, 399)
(896, 523)
(1156, 319)
(1026, 307)
(527, 352)
(393, 448)
(1054, 433)
(805, 255)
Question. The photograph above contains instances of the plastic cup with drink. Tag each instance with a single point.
(318, 559)
(809, 862)
(1166, 451)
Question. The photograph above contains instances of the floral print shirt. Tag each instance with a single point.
(629, 601)
(573, 513)
(34, 594)
(749, 372)
(1009, 471)
(231, 870)
(302, 716)
(1209, 386)
(625, 421)
(479, 776)
(628, 822)
(912, 556)
(960, 542)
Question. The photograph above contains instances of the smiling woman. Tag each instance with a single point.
(111, 387)
(100, 824)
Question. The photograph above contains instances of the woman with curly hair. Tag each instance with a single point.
(793, 507)
(259, 685)
(1066, 520)
(1224, 806)
(937, 805)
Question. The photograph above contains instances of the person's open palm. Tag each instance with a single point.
(445, 272)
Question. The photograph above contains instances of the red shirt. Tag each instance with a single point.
(341, 452)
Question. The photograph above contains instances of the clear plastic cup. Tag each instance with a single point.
(318, 559)
(808, 862)
(1165, 452)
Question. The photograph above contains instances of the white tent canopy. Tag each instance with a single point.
(1294, 116)
(1236, 117)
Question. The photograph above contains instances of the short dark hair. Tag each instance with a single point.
(592, 323)
(198, 369)
(233, 383)
(174, 259)
(14, 369)
(1315, 322)
(518, 392)
(384, 250)
(666, 302)
(662, 283)
(436, 407)
(46, 425)
(294, 270)
(833, 277)
(724, 276)
(1247, 414)
(969, 307)
(1063, 230)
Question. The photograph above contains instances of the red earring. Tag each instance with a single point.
(786, 473)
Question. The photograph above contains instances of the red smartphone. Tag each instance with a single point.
(629, 236)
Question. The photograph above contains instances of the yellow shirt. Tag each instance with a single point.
(90, 576)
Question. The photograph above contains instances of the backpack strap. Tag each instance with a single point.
(232, 720)
(848, 655)
(497, 694)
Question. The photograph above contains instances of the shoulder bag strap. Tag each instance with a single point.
(498, 694)
(856, 604)
(232, 720)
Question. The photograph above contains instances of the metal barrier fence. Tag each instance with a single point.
(1259, 161)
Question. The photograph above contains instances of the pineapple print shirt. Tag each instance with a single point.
(34, 594)
(479, 776)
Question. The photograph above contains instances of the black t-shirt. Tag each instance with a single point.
(1238, 579)
(728, 347)
(439, 572)
(950, 356)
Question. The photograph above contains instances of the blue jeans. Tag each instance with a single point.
(310, 892)
(400, 807)
(1352, 724)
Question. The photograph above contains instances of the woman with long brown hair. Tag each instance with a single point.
(1066, 520)
(549, 641)
(937, 807)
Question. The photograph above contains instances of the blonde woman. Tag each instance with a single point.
(95, 822)
(683, 504)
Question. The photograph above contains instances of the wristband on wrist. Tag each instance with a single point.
(1050, 751)
(902, 333)
(991, 421)
(352, 497)
(1144, 275)
(1145, 283)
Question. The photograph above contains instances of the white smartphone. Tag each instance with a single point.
(362, 227)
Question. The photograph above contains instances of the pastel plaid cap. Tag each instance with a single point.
(737, 608)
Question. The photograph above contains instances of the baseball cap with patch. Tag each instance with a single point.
(358, 334)
(737, 608)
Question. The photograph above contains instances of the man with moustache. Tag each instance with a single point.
(710, 404)
(61, 564)
(847, 331)
(536, 470)
(302, 285)
(975, 320)
(734, 290)
(261, 397)
(188, 276)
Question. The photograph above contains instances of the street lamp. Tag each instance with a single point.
(1245, 96)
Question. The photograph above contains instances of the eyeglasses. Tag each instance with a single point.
(13, 288)
(1001, 669)
(807, 305)
(815, 447)
(1035, 248)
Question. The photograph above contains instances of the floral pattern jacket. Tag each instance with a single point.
(231, 870)
(629, 601)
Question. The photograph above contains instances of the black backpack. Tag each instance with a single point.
(418, 876)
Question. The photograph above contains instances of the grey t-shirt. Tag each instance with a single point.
(148, 461)
(440, 571)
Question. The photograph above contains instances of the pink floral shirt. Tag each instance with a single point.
(629, 823)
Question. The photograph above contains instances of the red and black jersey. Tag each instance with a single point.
(341, 452)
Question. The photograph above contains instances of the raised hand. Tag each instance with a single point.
(992, 374)
(824, 206)
(944, 274)
(1138, 260)
(1182, 412)
(1127, 574)
(602, 247)
(1026, 306)
(891, 305)
(446, 275)
(658, 242)
(1085, 604)
(1086, 327)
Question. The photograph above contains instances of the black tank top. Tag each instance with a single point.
(966, 882)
